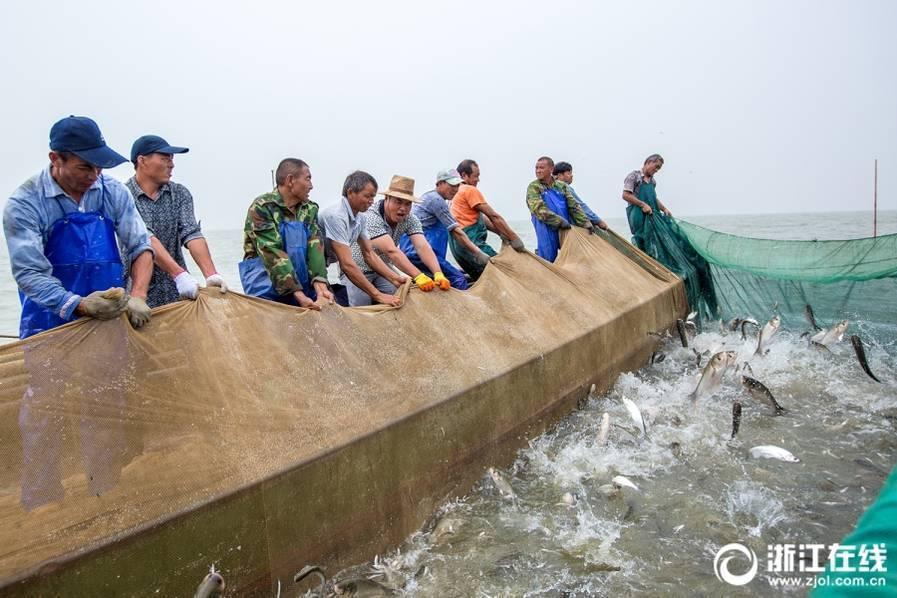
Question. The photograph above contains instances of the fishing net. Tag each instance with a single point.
(853, 279)
(261, 437)
(664, 242)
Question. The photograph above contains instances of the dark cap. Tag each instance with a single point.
(153, 144)
(81, 136)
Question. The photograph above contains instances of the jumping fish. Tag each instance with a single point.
(636, 415)
(857, 343)
(683, 335)
(766, 334)
(745, 322)
(811, 318)
(712, 375)
(212, 584)
(761, 394)
(733, 324)
(768, 451)
(832, 335)
(736, 418)
(604, 430)
(501, 484)
(310, 570)
(623, 482)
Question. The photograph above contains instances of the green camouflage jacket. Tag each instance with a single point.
(537, 206)
(261, 237)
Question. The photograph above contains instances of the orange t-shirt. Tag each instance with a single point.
(464, 205)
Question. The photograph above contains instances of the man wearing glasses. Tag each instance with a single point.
(167, 209)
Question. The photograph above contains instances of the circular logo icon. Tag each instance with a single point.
(721, 564)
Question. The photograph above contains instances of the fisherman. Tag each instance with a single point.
(437, 221)
(563, 171)
(167, 210)
(553, 208)
(389, 220)
(283, 253)
(639, 191)
(47, 220)
(476, 217)
(343, 231)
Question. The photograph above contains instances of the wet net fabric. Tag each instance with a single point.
(106, 431)
(665, 242)
(850, 279)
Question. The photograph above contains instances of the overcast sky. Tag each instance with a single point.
(756, 106)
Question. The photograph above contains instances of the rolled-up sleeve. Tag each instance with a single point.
(133, 237)
(190, 228)
(30, 267)
(440, 209)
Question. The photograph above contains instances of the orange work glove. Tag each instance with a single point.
(441, 281)
(424, 282)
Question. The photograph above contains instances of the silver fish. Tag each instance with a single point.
(736, 418)
(832, 335)
(604, 430)
(636, 415)
(211, 585)
(768, 451)
(733, 324)
(623, 482)
(712, 375)
(447, 526)
(683, 335)
(360, 587)
(811, 318)
(309, 570)
(769, 330)
(746, 322)
(501, 484)
(861, 356)
(761, 394)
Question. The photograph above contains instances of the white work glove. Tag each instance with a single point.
(215, 280)
(138, 311)
(104, 305)
(187, 286)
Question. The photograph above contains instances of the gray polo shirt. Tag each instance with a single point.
(339, 224)
(634, 180)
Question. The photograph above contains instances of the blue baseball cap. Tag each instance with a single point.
(81, 136)
(153, 144)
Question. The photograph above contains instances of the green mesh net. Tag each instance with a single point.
(664, 241)
(854, 279)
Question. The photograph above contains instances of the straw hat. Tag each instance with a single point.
(401, 187)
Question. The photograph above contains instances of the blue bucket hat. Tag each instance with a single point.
(81, 136)
(153, 144)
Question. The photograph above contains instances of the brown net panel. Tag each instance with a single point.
(105, 430)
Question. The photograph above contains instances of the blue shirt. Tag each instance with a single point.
(434, 208)
(30, 213)
(593, 217)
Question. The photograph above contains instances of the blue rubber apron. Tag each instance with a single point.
(255, 279)
(82, 249)
(437, 236)
(548, 240)
(636, 217)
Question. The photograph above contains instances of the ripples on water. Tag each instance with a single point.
(693, 498)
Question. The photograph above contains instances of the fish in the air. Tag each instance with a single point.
(832, 335)
(736, 418)
(761, 394)
(712, 375)
(857, 343)
(811, 317)
(769, 330)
